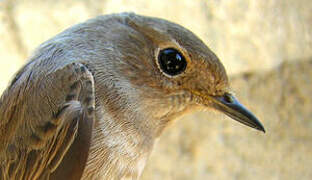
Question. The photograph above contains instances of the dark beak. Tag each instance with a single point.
(229, 105)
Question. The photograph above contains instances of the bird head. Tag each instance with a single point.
(175, 72)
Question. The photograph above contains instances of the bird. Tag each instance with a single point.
(91, 101)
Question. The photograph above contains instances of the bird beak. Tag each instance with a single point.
(229, 105)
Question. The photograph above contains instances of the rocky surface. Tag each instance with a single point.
(266, 47)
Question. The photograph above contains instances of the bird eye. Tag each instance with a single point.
(171, 61)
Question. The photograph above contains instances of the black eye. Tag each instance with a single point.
(171, 61)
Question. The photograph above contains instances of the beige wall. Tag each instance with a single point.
(266, 47)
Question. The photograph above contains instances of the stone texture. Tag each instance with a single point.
(266, 47)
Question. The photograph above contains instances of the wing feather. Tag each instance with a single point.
(45, 118)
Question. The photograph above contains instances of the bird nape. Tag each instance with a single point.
(92, 100)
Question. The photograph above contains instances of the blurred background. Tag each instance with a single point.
(266, 47)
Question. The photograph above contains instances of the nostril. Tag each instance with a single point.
(228, 98)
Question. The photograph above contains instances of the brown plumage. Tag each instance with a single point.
(92, 100)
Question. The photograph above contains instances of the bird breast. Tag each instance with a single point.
(116, 152)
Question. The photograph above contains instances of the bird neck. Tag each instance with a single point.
(124, 113)
(127, 125)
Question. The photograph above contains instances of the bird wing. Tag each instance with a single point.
(46, 124)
